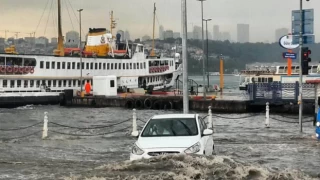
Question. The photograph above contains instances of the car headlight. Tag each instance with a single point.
(193, 149)
(136, 150)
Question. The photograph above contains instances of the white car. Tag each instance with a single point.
(173, 134)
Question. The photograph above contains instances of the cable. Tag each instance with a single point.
(70, 134)
(69, 16)
(289, 121)
(7, 139)
(235, 117)
(45, 29)
(42, 15)
(20, 128)
(97, 127)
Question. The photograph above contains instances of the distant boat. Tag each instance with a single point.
(214, 74)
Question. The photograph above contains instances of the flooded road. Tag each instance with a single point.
(244, 147)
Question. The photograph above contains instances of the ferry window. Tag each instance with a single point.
(49, 83)
(141, 66)
(43, 82)
(166, 62)
(26, 83)
(91, 65)
(99, 65)
(63, 65)
(95, 65)
(104, 65)
(119, 65)
(74, 83)
(30, 62)
(4, 83)
(78, 65)
(38, 83)
(108, 66)
(18, 83)
(54, 83)
(144, 65)
(64, 83)
(59, 83)
(58, 65)
(2, 61)
(111, 65)
(73, 65)
(47, 65)
(123, 65)
(87, 66)
(68, 65)
(137, 65)
(31, 83)
(69, 83)
(53, 65)
(12, 83)
(270, 79)
(134, 65)
(130, 65)
(41, 64)
(115, 65)
(83, 65)
(79, 83)
(127, 66)
(111, 83)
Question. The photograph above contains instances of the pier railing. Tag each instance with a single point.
(277, 92)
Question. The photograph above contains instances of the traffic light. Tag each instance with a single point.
(305, 59)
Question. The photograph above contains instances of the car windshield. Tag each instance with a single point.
(171, 127)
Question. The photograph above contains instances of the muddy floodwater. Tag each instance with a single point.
(245, 149)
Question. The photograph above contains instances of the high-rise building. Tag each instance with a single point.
(190, 35)
(122, 38)
(145, 38)
(72, 39)
(54, 40)
(161, 32)
(225, 36)
(127, 35)
(280, 32)
(176, 35)
(216, 33)
(243, 33)
(168, 34)
(197, 32)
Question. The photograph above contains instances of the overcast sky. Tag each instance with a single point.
(264, 16)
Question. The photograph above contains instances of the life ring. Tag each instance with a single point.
(27, 69)
(147, 103)
(138, 104)
(21, 69)
(9, 69)
(157, 105)
(168, 105)
(15, 69)
(32, 70)
(3, 69)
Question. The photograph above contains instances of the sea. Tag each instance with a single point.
(95, 143)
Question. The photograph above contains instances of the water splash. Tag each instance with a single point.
(181, 167)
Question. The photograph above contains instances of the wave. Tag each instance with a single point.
(185, 167)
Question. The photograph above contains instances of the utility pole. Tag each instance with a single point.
(81, 83)
(207, 50)
(184, 56)
(203, 57)
(300, 69)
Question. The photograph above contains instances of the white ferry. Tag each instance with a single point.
(264, 74)
(102, 55)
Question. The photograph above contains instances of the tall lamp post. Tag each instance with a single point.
(203, 64)
(81, 81)
(207, 49)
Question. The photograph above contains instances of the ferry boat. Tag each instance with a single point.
(278, 73)
(69, 68)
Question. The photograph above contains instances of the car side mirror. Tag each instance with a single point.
(135, 134)
(207, 132)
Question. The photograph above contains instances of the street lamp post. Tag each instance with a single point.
(81, 81)
(203, 64)
(207, 49)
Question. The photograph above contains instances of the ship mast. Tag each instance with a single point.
(60, 48)
(154, 17)
(112, 23)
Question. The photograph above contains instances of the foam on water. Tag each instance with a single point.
(181, 167)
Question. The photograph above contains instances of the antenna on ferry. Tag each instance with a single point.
(60, 49)
(154, 16)
(112, 23)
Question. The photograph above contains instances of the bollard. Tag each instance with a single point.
(210, 123)
(45, 126)
(267, 115)
(134, 123)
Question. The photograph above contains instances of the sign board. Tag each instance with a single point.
(307, 21)
(287, 42)
(306, 39)
(289, 55)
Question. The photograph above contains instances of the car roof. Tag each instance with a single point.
(166, 116)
